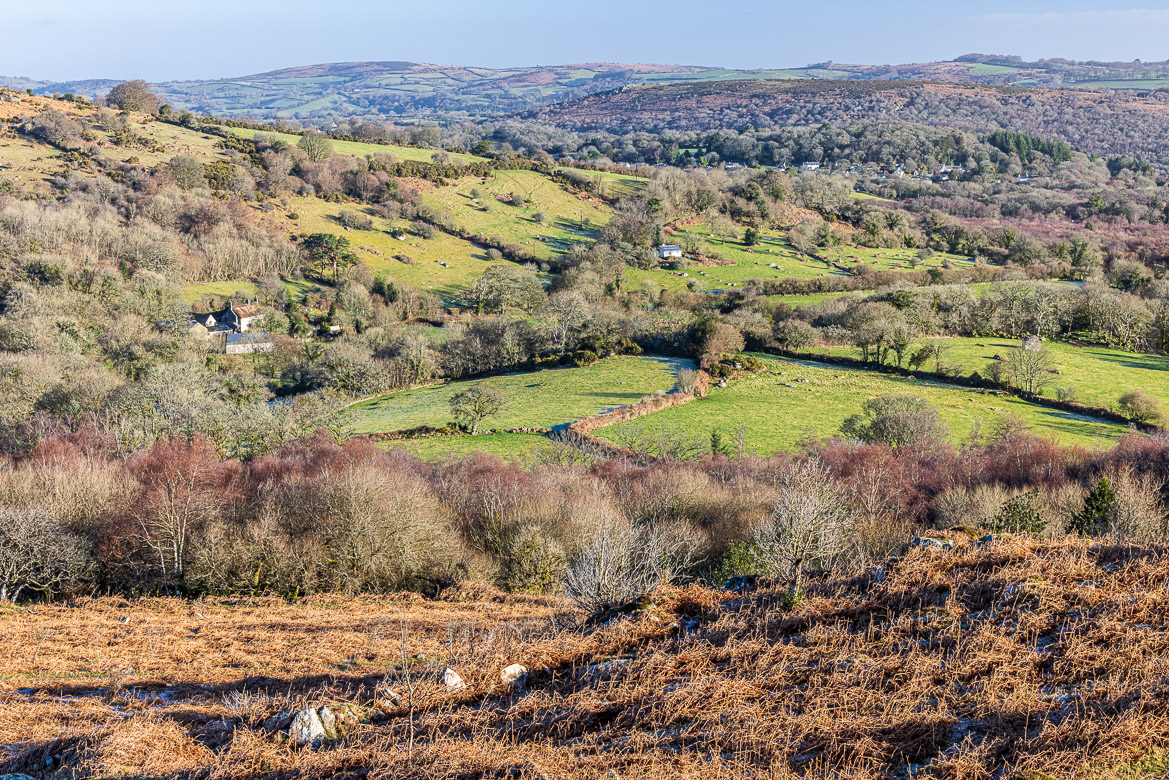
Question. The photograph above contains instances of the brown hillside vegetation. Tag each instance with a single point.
(1009, 659)
(1100, 121)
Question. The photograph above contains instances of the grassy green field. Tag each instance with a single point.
(890, 259)
(777, 416)
(378, 249)
(1098, 374)
(614, 184)
(773, 247)
(358, 149)
(535, 399)
(750, 262)
(23, 161)
(194, 292)
(509, 446)
(569, 219)
(297, 288)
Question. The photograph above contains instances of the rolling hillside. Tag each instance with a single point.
(1135, 123)
(418, 90)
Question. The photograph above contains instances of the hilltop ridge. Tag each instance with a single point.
(414, 90)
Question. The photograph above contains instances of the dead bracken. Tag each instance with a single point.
(1003, 658)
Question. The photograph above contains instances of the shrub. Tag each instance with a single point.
(1066, 393)
(738, 559)
(584, 357)
(1021, 514)
(1098, 512)
(37, 555)
(687, 381)
(1139, 406)
(628, 347)
(531, 563)
(896, 420)
(807, 524)
(355, 221)
(795, 334)
(624, 563)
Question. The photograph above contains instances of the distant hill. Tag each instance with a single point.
(411, 91)
(1100, 121)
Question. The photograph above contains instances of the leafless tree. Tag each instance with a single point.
(37, 554)
(1030, 368)
(807, 525)
(133, 96)
(625, 562)
(315, 146)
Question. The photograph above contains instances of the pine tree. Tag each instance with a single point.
(1099, 506)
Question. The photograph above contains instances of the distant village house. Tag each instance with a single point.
(669, 250)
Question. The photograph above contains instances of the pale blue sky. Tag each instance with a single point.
(175, 39)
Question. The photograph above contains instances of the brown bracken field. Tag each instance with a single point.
(1014, 659)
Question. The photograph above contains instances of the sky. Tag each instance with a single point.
(162, 40)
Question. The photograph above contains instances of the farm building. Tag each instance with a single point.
(669, 250)
(234, 318)
(247, 343)
(810, 166)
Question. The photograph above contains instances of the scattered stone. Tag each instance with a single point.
(741, 584)
(515, 675)
(307, 730)
(278, 722)
(931, 543)
(451, 679)
(328, 722)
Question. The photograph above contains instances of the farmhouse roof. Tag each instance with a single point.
(253, 337)
(246, 310)
(670, 248)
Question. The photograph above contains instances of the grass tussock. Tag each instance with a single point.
(1010, 659)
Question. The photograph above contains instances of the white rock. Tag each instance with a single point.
(451, 679)
(306, 729)
(516, 674)
(328, 722)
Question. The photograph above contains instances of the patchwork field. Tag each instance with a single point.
(378, 249)
(358, 149)
(891, 259)
(534, 399)
(614, 185)
(1099, 375)
(789, 398)
(750, 262)
(569, 218)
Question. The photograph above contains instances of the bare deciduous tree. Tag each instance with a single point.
(625, 562)
(1030, 368)
(37, 554)
(807, 525)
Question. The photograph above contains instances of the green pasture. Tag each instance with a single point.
(356, 148)
(568, 218)
(780, 404)
(1099, 375)
(509, 446)
(533, 399)
(379, 250)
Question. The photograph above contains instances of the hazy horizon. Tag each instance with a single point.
(216, 39)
